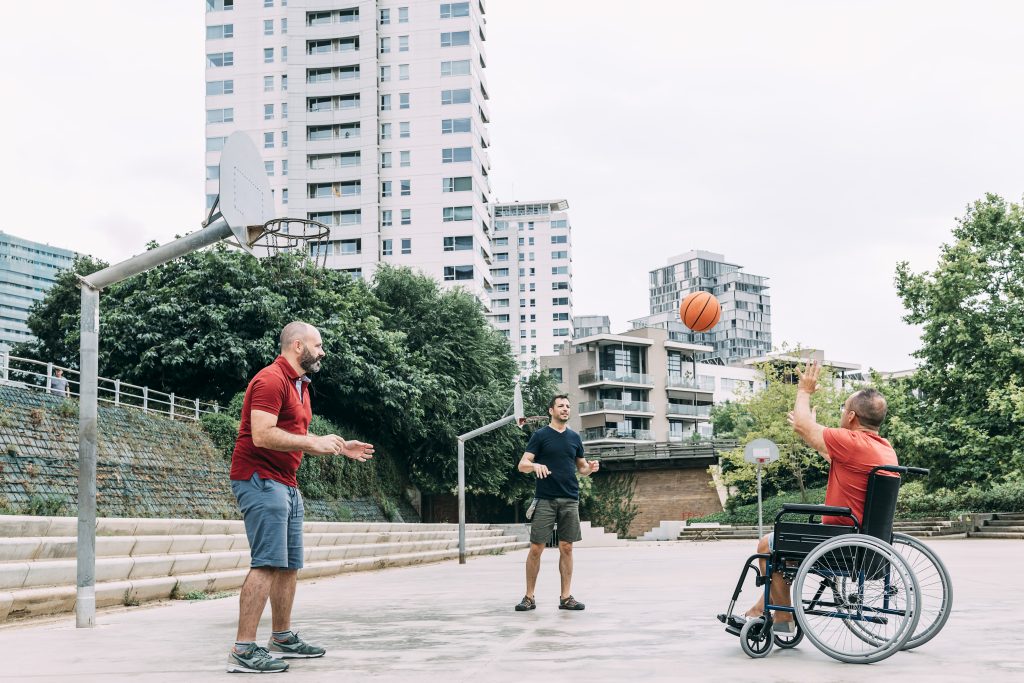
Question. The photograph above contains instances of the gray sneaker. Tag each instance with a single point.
(255, 660)
(294, 648)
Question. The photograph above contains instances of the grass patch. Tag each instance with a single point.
(203, 595)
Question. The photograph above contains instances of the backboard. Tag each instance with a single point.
(246, 202)
(517, 405)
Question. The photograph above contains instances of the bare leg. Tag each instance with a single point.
(565, 567)
(282, 595)
(780, 590)
(533, 567)
(252, 600)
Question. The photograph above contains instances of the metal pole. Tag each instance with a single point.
(85, 605)
(760, 521)
(462, 501)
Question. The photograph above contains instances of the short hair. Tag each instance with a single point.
(870, 406)
(292, 331)
(554, 399)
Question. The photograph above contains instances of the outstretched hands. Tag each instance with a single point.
(808, 378)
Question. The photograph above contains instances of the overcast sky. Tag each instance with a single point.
(817, 143)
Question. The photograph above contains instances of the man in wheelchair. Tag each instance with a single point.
(853, 450)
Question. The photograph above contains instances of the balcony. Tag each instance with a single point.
(690, 383)
(688, 411)
(691, 438)
(602, 433)
(612, 405)
(592, 377)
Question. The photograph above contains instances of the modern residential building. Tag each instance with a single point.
(642, 387)
(744, 330)
(371, 117)
(589, 325)
(27, 270)
(532, 273)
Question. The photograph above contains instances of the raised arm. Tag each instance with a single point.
(804, 419)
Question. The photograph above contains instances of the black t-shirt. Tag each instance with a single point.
(557, 450)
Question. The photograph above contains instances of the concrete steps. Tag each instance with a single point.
(1000, 525)
(140, 560)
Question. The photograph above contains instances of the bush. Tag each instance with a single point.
(222, 430)
(608, 501)
(915, 501)
(746, 514)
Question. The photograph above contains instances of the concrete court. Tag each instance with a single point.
(649, 617)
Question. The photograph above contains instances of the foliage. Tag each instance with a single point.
(609, 501)
(962, 413)
(915, 500)
(746, 514)
(762, 415)
(44, 506)
(222, 430)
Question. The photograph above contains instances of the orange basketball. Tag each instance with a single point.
(700, 311)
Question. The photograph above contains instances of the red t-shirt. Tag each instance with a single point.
(278, 390)
(853, 455)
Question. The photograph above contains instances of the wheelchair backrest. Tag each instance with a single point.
(880, 505)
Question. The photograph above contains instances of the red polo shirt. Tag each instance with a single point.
(275, 389)
(853, 455)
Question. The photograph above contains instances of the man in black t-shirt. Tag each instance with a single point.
(555, 455)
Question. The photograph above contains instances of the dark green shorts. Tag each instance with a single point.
(565, 512)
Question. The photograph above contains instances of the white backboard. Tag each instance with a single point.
(246, 202)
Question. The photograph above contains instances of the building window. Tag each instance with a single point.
(385, 188)
(457, 213)
(268, 27)
(385, 248)
(406, 245)
(403, 129)
(406, 216)
(385, 74)
(220, 115)
(460, 96)
(458, 273)
(559, 239)
(268, 140)
(284, 196)
(220, 5)
(284, 58)
(405, 158)
(560, 301)
(560, 270)
(403, 43)
(385, 218)
(455, 38)
(405, 187)
(268, 55)
(451, 155)
(450, 10)
(455, 68)
(220, 59)
(403, 15)
(385, 102)
(385, 131)
(268, 84)
(403, 72)
(455, 126)
(558, 255)
(269, 167)
(284, 138)
(385, 159)
(458, 243)
(268, 112)
(385, 45)
(350, 247)
(220, 87)
(215, 144)
(284, 83)
(223, 31)
(560, 224)
(385, 16)
(268, 3)
(403, 100)
(284, 26)
(460, 184)
(556, 317)
(213, 172)
(559, 285)
(284, 110)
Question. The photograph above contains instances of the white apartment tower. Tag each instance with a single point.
(372, 118)
(532, 271)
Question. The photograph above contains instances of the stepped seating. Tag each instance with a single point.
(921, 528)
(1001, 525)
(139, 560)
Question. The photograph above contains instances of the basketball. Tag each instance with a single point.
(700, 311)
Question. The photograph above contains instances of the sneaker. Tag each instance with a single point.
(293, 648)
(526, 604)
(255, 660)
(570, 603)
(784, 627)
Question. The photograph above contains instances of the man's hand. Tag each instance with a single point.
(332, 444)
(808, 379)
(791, 417)
(357, 450)
(595, 465)
(540, 470)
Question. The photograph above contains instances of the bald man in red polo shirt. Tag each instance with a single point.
(852, 450)
(272, 436)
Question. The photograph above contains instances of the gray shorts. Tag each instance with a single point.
(273, 515)
(565, 512)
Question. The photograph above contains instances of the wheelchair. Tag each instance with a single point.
(860, 593)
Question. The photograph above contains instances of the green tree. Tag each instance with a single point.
(962, 413)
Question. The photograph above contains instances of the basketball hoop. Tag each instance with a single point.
(305, 236)
(533, 419)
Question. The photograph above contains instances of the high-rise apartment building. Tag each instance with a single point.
(27, 270)
(371, 117)
(744, 330)
(532, 271)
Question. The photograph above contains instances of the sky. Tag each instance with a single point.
(817, 143)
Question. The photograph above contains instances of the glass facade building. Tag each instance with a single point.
(27, 270)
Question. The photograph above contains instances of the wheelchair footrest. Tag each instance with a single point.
(733, 624)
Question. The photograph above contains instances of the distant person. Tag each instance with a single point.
(852, 450)
(272, 436)
(555, 455)
(58, 385)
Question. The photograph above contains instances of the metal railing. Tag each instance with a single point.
(688, 410)
(32, 374)
(701, 382)
(596, 433)
(616, 406)
(592, 376)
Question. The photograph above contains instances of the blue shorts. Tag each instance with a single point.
(273, 515)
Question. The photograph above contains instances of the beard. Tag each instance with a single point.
(308, 361)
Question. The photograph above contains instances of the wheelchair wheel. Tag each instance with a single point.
(856, 599)
(756, 638)
(788, 641)
(936, 588)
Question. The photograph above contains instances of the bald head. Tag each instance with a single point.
(870, 406)
(295, 331)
